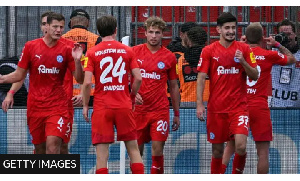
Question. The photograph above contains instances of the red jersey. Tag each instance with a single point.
(156, 69)
(47, 68)
(111, 62)
(227, 76)
(257, 91)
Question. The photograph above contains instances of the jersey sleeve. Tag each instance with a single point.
(204, 61)
(133, 61)
(25, 57)
(277, 58)
(249, 56)
(88, 63)
(172, 73)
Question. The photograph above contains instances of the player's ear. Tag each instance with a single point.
(218, 28)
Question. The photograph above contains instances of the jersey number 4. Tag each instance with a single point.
(118, 70)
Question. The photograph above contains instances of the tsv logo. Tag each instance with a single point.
(59, 59)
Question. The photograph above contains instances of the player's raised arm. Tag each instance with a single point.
(251, 72)
(290, 57)
(77, 54)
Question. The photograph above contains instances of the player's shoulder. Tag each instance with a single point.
(34, 42)
(167, 53)
(139, 47)
(211, 46)
(67, 41)
(242, 45)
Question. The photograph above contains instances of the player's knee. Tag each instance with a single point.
(240, 148)
(217, 153)
(53, 149)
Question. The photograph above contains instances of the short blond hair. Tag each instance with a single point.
(156, 22)
(254, 33)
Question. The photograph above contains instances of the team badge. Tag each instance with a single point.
(211, 135)
(59, 59)
(161, 65)
(236, 60)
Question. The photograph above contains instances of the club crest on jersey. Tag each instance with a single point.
(59, 58)
(161, 65)
(236, 60)
(211, 135)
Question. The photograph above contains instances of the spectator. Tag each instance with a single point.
(285, 79)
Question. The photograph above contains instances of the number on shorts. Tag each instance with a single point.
(115, 73)
(243, 120)
(69, 129)
(162, 126)
(60, 122)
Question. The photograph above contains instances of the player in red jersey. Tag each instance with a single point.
(158, 65)
(111, 62)
(227, 63)
(68, 86)
(47, 60)
(257, 94)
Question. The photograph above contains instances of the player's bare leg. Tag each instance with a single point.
(216, 159)
(136, 162)
(262, 148)
(53, 144)
(64, 148)
(240, 154)
(157, 157)
(102, 158)
(40, 148)
(141, 148)
(228, 152)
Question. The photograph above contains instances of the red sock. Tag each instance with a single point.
(223, 170)
(238, 163)
(102, 171)
(137, 168)
(216, 165)
(157, 165)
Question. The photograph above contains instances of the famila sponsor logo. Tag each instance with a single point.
(43, 70)
(152, 75)
(232, 70)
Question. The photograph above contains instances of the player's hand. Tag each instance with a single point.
(239, 55)
(8, 102)
(85, 113)
(132, 97)
(77, 52)
(138, 99)
(176, 123)
(201, 112)
(270, 41)
(243, 39)
(77, 100)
